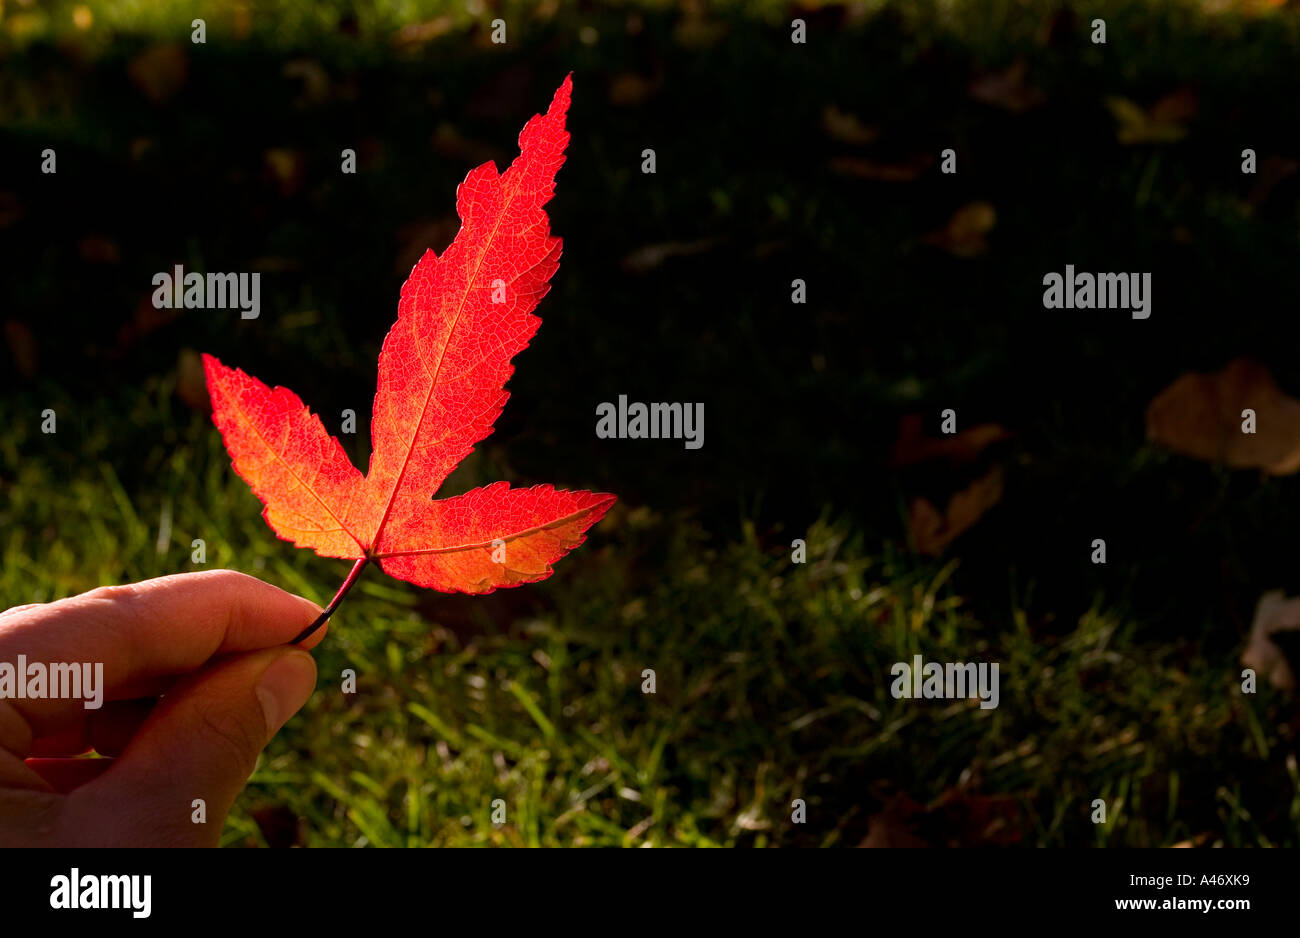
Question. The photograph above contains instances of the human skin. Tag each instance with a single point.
(197, 677)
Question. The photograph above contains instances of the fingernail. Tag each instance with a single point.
(285, 686)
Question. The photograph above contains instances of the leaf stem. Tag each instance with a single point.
(334, 603)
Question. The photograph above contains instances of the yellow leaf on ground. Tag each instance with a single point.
(1163, 122)
(963, 236)
(845, 127)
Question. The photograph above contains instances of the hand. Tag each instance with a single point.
(211, 644)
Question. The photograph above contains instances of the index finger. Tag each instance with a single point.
(165, 626)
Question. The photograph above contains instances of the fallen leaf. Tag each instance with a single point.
(191, 383)
(980, 820)
(160, 71)
(964, 234)
(315, 80)
(146, 319)
(11, 209)
(846, 128)
(285, 168)
(1007, 89)
(1163, 122)
(957, 818)
(932, 532)
(1061, 30)
(892, 825)
(462, 317)
(913, 446)
(907, 171)
(1274, 613)
(1200, 415)
(1272, 170)
(415, 34)
(96, 249)
(695, 30)
(242, 20)
(450, 143)
(648, 258)
(1177, 107)
(629, 89)
(22, 347)
(279, 824)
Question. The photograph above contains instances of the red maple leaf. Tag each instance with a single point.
(442, 372)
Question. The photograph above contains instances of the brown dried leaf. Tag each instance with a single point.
(191, 382)
(146, 320)
(1007, 89)
(913, 446)
(96, 249)
(1200, 415)
(891, 826)
(160, 71)
(932, 532)
(11, 209)
(279, 824)
(695, 30)
(1239, 8)
(1177, 107)
(980, 820)
(1272, 170)
(416, 34)
(1274, 613)
(22, 346)
(652, 256)
(629, 89)
(884, 172)
(449, 142)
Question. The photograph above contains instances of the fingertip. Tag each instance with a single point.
(310, 609)
(315, 638)
(266, 613)
(285, 686)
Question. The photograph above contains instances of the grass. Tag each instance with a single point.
(770, 686)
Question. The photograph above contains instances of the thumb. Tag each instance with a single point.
(200, 743)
